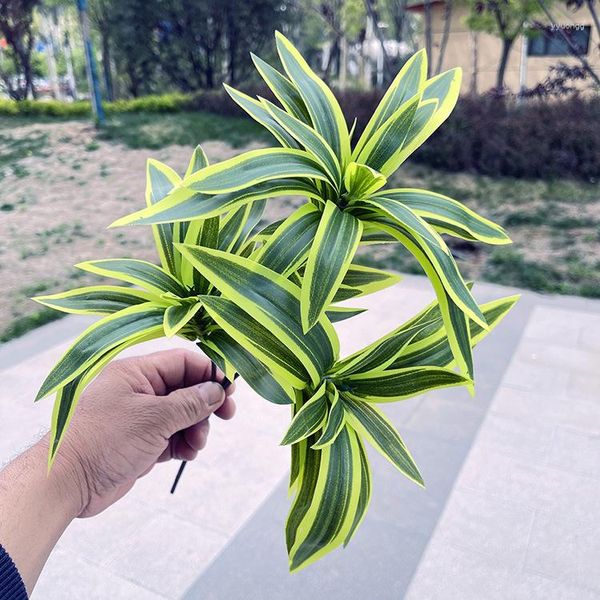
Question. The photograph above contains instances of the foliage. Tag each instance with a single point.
(261, 301)
(495, 136)
(16, 26)
(505, 19)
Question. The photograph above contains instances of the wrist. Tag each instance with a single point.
(66, 479)
(35, 508)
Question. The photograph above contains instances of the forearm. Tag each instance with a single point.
(35, 509)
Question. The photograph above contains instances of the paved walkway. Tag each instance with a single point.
(510, 510)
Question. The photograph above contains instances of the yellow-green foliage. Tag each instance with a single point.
(261, 300)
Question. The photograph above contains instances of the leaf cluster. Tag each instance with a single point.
(261, 299)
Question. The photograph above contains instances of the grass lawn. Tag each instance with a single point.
(140, 130)
(63, 182)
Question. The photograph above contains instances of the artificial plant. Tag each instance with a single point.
(260, 298)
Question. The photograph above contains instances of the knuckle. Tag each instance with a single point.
(191, 403)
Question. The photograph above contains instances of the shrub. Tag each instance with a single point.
(496, 136)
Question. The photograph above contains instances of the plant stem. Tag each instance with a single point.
(225, 383)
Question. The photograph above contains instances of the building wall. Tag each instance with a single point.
(459, 50)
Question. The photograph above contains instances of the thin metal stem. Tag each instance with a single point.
(225, 383)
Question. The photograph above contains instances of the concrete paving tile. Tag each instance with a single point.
(550, 408)
(166, 554)
(67, 576)
(488, 525)
(536, 377)
(447, 417)
(553, 326)
(584, 386)
(530, 586)
(450, 573)
(566, 549)
(557, 357)
(577, 450)
(528, 441)
(589, 337)
(535, 486)
(376, 564)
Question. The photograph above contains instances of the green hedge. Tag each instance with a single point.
(492, 136)
(54, 108)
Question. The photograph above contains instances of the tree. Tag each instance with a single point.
(402, 24)
(16, 25)
(102, 18)
(505, 19)
(448, 5)
(573, 49)
(374, 16)
(133, 39)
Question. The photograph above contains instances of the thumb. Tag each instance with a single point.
(189, 406)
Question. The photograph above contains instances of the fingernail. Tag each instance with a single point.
(214, 392)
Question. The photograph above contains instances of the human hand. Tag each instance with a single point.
(139, 411)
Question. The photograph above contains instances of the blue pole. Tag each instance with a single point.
(90, 62)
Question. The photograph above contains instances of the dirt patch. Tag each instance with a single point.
(56, 202)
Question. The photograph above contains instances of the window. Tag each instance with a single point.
(549, 41)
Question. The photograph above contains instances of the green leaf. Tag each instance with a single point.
(397, 384)
(449, 216)
(252, 371)
(96, 300)
(434, 247)
(254, 167)
(288, 246)
(384, 149)
(378, 355)
(178, 316)
(364, 497)
(68, 396)
(304, 482)
(369, 421)
(100, 337)
(323, 108)
(340, 313)
(434, 350)
(330, 517)
(330, 256)
(308, 419)
(286, 367)
(197, 162)
(283, 89)
(454, 323)
(336, 419)
(312, 141)
(203, 232)
(261, 115)
(367, 280)
(409, 81)
(160, 180)
(137, 272)
(272, 300)
(361, 181)
(443, 90)
(254, 214)
(185, 205)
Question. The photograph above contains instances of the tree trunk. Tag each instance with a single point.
(106, 66)
(506, 48)
(428, 36)
(595, 18)
(374, 16)
(474, 44)
(445, 35)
